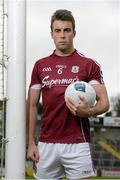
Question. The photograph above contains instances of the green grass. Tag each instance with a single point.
(102, 178)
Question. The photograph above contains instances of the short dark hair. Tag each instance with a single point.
(63, 15)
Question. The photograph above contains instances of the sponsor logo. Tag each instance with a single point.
(80, 87)
(75, 69)
(46, 69)
(86, 172)
(47, 82)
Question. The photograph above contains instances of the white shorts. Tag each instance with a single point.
(72, 161)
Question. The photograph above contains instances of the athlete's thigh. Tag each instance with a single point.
(48, 166)
(77, 161)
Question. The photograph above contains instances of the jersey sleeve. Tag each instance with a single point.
(95, 74)
(35, 77)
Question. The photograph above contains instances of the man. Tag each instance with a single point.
(64, 146)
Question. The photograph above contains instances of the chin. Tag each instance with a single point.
(63, 48)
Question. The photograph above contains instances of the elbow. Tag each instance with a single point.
(107, 106)
(33, 104)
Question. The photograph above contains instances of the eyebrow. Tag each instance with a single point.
(65, 29)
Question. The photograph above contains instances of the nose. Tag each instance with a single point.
(62, 34)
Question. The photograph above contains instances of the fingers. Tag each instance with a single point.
(72, 107)
(81, 109)
(33, 155)
(82, 99)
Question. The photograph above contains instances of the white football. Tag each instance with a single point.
(83, 89)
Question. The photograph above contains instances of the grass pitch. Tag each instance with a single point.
(102, 178)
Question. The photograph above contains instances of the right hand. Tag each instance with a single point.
(33, 153)
(81, 110)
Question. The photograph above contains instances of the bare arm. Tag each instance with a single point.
(34, 95)
(102, 104)
(83, 110)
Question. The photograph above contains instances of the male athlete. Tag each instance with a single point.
(64, 144)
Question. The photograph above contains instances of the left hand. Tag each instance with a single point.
(81, 110)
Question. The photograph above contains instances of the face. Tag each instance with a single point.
(62, 34)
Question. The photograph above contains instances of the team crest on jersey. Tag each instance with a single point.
(75, 69)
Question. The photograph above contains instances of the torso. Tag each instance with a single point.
(55, 73)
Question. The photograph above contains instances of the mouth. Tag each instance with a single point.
(63, 42)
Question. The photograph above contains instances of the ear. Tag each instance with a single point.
(51, 34)
(74, 33)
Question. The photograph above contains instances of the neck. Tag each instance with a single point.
(64, 52)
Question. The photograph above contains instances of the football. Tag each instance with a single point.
(83, 89)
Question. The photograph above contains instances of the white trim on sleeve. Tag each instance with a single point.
(36, 86)
(92, 82)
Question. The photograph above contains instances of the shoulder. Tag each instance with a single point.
(87, 60)
(43, 60)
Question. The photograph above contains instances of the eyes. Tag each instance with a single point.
(66, 30)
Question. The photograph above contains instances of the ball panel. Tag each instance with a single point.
(83, 89)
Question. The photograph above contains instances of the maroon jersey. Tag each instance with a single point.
(52, 75)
